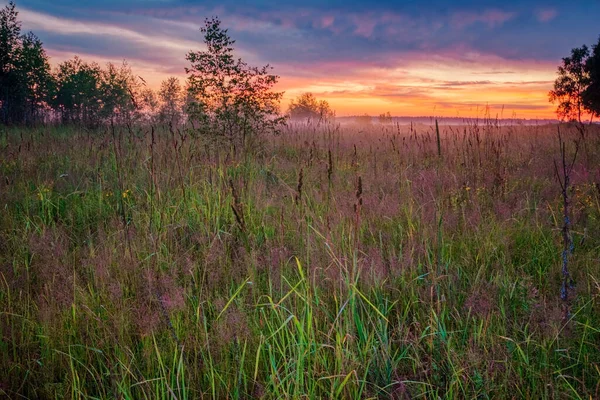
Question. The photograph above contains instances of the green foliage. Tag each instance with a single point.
(25, 76)
(227, 97)
(89, 95)
(577, 88)
(591, 95)
(572, 80)
(119, 88)
(10, 35)
(77, 95)
(171, 97)
(80, 92)
(307, 107)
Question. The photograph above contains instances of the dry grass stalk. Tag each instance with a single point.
(237, 207)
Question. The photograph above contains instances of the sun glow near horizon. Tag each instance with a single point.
(515, 89)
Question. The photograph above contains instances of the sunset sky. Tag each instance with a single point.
(443, 58)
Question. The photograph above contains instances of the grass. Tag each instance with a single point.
(336, 262)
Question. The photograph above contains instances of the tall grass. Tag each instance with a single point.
(334, 263)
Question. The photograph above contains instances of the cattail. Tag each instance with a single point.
(299, 187)
(439, 143)
(357, 209)
(329, 166)
(359, 192)
(281, 227)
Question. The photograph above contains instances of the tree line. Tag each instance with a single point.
(76, 91)
(223, 95)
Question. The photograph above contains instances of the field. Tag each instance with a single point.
(332, 262)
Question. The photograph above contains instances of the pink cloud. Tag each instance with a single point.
(364, 27)
(546, 15)
(327, 21)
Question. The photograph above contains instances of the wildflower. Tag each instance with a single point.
(126, 194)
(468, 188)
(42, 193)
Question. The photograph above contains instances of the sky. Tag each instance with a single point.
(411, 58)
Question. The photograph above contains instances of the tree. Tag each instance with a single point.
(34, 68)
(171, 97)
(573, 80)
(591, 95)
(385, 118)
(307, 107)
(120, 91)
(148, 105)
(24, 71)
(10, 32)
(77, 94)
(89, 95)
(227, 97)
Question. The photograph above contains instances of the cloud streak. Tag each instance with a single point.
(491, 18)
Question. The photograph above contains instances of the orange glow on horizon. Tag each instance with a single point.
(439, 89)
(442, 89)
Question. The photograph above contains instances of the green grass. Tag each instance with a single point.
(132, 271)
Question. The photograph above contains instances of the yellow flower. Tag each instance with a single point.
(126, 193)
(467, 188)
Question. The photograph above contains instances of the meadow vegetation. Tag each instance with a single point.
(332, 262)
